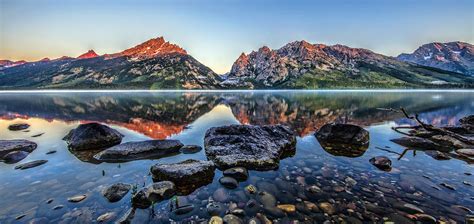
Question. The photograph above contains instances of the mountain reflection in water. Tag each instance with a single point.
(162, 115)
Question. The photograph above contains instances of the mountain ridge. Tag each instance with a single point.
(453, 56)
(157, 63)
(300, 64)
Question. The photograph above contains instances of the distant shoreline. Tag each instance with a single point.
(231, 90)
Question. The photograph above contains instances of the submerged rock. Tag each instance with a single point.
(140, 200)
(31, 164)
(238, 173)
(106, 217)
(188, 175)
(150, 149)
(18, 127)
(7, 146)
(116, 192)
(253, 147)
(381, 162)
(160, 191)
(14, 157)
(77, 198)
(343, 139)
(189, 149)
(153, 193)
(229, 182)
(92, 136)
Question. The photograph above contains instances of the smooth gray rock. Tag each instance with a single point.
(129, 151)
(252, 147)
(31, 164)
(229, 182)
(14, 157)
(116, 192)
(92, 136)
(189, 149)
(7, 146)
(160, 191)
(238, 173)
(187, 175)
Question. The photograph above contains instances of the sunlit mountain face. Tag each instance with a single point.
(161, 116)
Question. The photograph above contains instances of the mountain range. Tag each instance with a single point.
(158, 64)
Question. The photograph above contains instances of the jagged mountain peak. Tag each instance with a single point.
(88, 54)
(151, 48)
(453, 56)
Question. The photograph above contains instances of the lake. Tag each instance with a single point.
(349, 188)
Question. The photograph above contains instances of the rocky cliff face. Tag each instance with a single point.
(304, 65)
(453, 56)
(154, 64)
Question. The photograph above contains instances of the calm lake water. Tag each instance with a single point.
(356, 190)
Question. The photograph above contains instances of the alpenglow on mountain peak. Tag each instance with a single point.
(151, 48)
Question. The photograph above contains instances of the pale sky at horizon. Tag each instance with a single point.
(216, 32)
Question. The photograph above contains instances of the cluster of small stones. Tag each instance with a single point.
(14, 151)
(310, 191)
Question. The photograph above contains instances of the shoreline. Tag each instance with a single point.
(223, 90)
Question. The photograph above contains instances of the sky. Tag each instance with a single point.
(215, 32)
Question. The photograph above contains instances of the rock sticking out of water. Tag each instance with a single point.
(18, 127)
(343, 139)
(187, 175)
(253, 147)
(381, 162)
(31, 164)
(116, 191)
(466, 152)
(7, 146)
(92, 136)
(150, 149)
(189, 149)
(14, 157)
(418, 143)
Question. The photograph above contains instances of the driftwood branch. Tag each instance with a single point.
(429, 127)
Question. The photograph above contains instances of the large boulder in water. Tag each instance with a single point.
(7, 146)
(92, 136)
(188, 175)
(151, 149)
(343, 139)
(252, 147)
